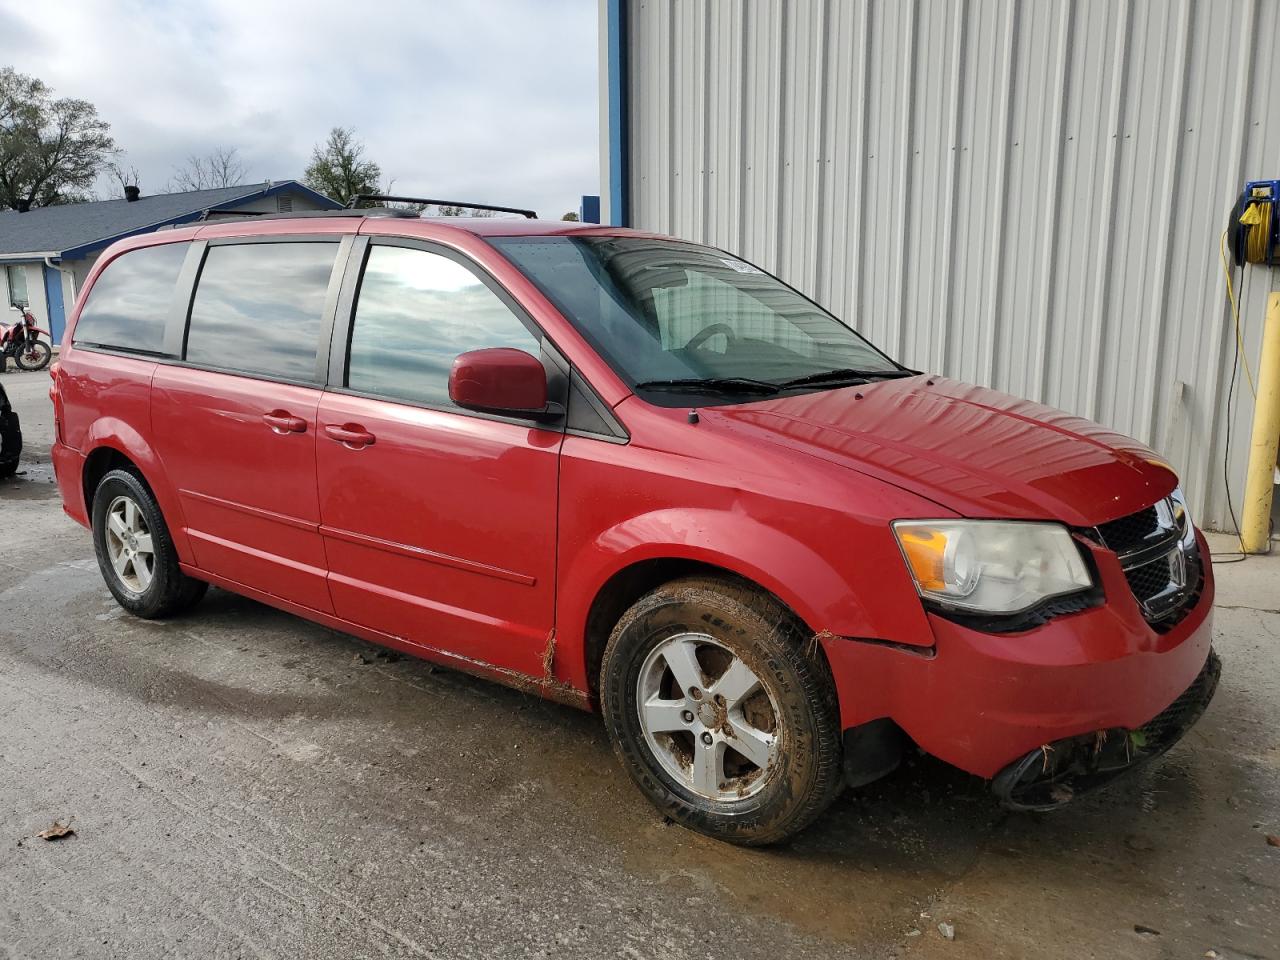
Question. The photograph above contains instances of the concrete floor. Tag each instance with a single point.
(242, 784)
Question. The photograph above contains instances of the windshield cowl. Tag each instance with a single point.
(741, 390)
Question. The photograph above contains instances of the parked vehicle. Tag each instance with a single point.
(10, 437)
(22, 341)
(642, 476)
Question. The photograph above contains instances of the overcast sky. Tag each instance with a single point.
(483, 100)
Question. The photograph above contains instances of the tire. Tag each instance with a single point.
(148, 585)
(788, 729)
(10, 439)
(33, 356)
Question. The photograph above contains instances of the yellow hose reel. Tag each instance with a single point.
(1254, 231)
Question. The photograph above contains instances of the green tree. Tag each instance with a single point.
(51, 150)
(339, 169)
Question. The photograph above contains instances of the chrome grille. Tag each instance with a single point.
(1131, 531)
(1164, 576)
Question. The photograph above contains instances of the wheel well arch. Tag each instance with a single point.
(632, 582)
(98, 464)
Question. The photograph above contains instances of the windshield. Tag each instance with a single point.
(675, 318)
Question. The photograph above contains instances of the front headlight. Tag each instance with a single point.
(1182, 518)
(991, 566)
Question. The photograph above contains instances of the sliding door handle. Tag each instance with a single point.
(350, 435)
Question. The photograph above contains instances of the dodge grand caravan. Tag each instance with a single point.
(636, 475)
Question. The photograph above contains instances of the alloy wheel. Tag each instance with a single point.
(129, 544)
(707, 718)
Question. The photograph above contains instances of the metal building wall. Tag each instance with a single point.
(1027, 195)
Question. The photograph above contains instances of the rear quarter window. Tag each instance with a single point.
(128, 305)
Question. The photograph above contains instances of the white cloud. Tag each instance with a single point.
(488, 100)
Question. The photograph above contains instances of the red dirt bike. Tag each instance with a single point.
(22, 342)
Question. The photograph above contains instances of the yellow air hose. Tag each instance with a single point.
(1235, 307)
(1257, 217)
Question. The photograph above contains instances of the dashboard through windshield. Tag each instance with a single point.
(675, 319)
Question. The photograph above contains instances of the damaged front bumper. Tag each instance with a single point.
(1058, 772)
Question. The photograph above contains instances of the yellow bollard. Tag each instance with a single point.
(1255, 530)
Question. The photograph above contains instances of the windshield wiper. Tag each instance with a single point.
(712, 385)
(847, 375)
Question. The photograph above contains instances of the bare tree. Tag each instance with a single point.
(121, 176)
(221, 167)
(456, 211)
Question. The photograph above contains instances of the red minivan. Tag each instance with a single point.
(642, 476)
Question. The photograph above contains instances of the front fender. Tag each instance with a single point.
(828, 600)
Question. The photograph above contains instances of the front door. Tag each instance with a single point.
(236, 426)
(439, 524)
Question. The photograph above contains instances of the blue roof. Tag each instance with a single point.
(75, 229)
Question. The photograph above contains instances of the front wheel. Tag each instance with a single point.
(723, 710)
(33, 355)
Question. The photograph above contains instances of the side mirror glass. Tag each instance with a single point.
(499, 380)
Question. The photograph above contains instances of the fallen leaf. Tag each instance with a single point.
(1273, 840)
(1143, 928)
(57, 831)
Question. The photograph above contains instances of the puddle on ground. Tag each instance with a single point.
(33, 481)
(862, 873)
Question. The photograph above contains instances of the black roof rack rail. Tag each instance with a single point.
(215, 216)
(382, 197)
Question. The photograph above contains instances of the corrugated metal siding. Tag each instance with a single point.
(1024, 195)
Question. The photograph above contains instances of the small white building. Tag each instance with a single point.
(46, 253)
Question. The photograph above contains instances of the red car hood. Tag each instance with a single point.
(976, 451)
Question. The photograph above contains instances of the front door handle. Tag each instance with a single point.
(350, 435)
(282, 421)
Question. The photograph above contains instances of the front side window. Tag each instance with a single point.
(673, 318)
(16, 277)
(416, 312)
(259, 308)
(128, 306)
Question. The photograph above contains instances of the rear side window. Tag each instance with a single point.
(416, 312)
(129, 303)
(258, 308)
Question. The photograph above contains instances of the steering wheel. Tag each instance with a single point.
(706, 333)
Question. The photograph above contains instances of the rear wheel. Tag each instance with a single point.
(722, 710)
(135, 552)
(33, 355)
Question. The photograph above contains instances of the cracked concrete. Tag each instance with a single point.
(243, 786)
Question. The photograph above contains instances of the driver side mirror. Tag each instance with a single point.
(499, 380)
